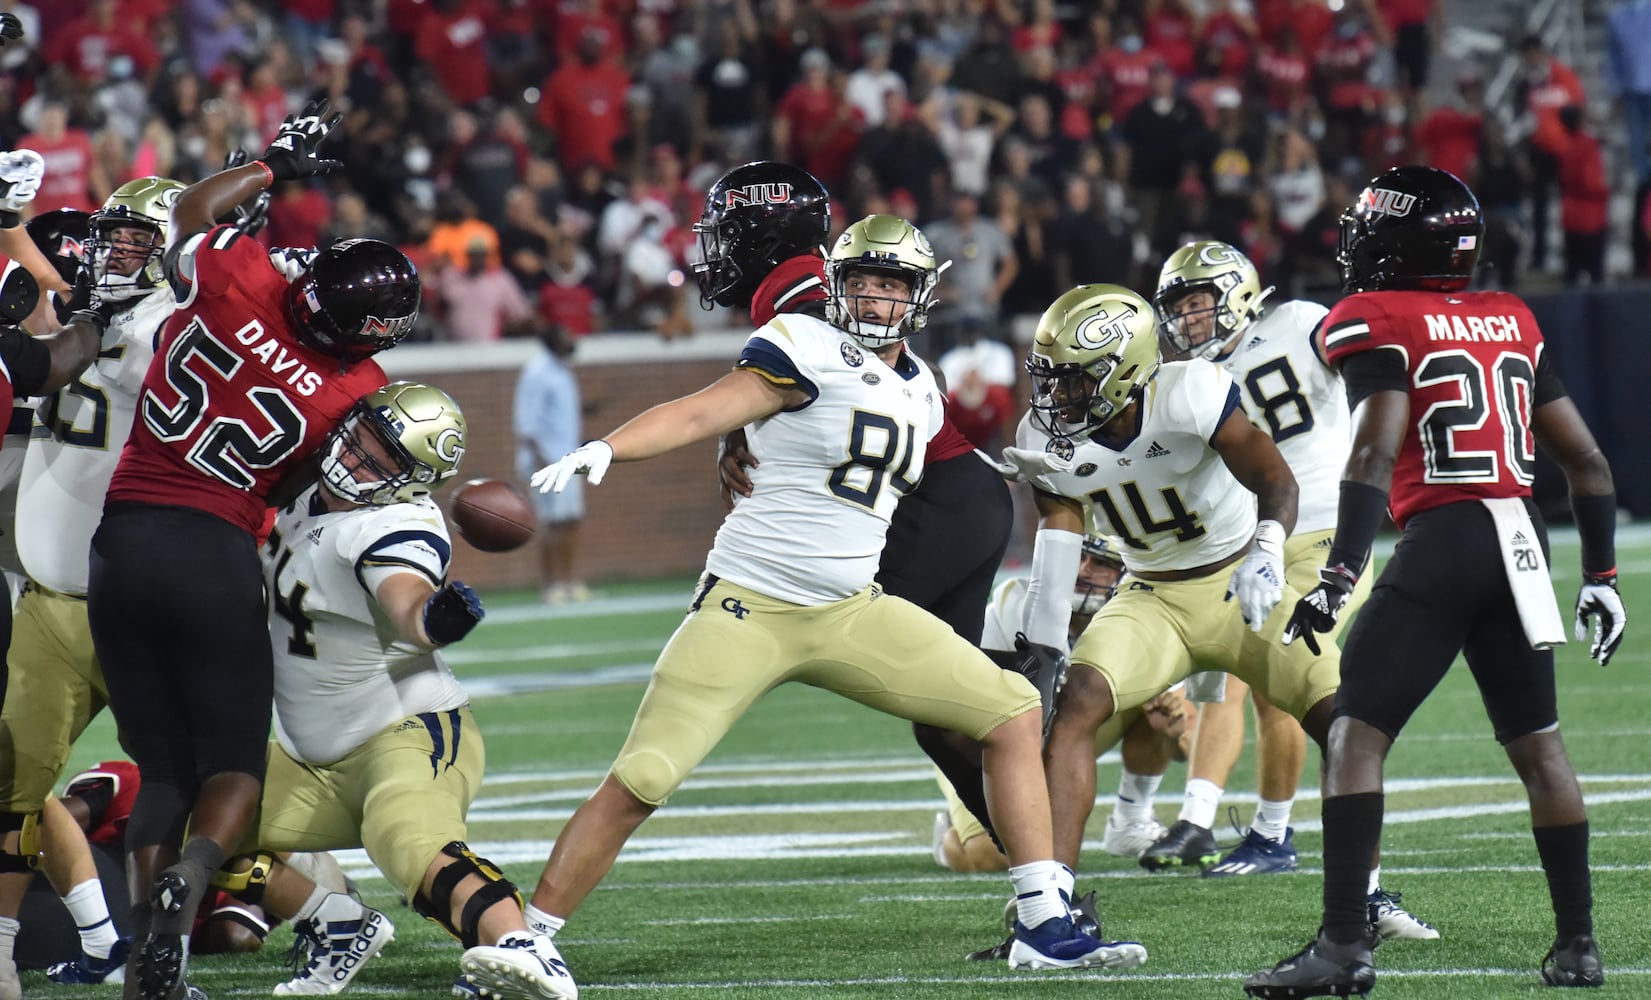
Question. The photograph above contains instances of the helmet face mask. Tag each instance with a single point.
(1235, 298)
(1094, 352)
(128, 236)
(1411, 228)
(358, 298)
(858, 268)
(396, 445)
(1100, 563)
(756, 216)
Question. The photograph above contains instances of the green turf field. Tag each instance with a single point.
(796, 862)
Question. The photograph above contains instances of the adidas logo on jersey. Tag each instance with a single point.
(315, 535)
(1520, 539)
(1156, 450)
(1254, 342)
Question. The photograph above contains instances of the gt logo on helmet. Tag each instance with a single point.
(1386, 201)
(1214, 254)
(450, 445)
(1103, 329)
(772, 193)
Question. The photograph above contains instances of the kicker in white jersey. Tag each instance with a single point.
(811, 537)
(342, 673)
(1167, 494)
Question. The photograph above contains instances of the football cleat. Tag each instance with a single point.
(522, 966)
(1086, 915)
(1394, 922)
(1184, 844)
(942, 825)
(86, 970)
(1574, 963)
(1057, 944)
(1322, 969)
(1256, 855)
(329, 948)
(463, 989)
(1128, 839)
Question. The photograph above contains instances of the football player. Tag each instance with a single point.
(1452, 393)
(250, 375)
(840, 412)
(375, 745)
(760, 240)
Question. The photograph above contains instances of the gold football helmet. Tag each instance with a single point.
(1095, 349)
(1228, 276)
(882, 244)
(408, 437)
(130, 266)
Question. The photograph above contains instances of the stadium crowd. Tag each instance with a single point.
(542, 160)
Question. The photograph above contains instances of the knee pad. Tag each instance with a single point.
(27, 827)
(438, 905)
(248, 884)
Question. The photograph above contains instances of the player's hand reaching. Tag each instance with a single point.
(1318, 610)
(11, 29)
(1020, 465)
(733, 458)
(86, 305)
(452, 612)
(295, 152)
(1258, 582)
(21, 171)
(591, 458)
(1598, 602)
(1045, 667)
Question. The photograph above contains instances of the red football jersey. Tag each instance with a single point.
(122, 778)
(800, 280)
(233, 400)
(1470, 360)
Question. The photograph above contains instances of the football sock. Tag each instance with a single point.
(1564, 854)
(311, 904)
(201, 857)
(8, 938)
(1202, 799)
(1375, 880)
(1352, 829)
(91, 915)
(1272, 819)
(1135, 793)
(1043, 891)
(540, 922)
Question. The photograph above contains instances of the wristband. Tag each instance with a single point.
(1596, 528)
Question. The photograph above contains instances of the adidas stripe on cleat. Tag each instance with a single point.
(1256, 855)
(330, 947)
(522, 966)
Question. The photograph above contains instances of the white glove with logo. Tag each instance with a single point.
(1020, 465)
(21, 171)
(292, 262)
(1598, 601)
(1258, 582)
(591, 458)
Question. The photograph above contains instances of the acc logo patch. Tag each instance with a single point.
(871, 378)
(1086, 469)
(851, 355)
(1386, 201)
(1061, 448)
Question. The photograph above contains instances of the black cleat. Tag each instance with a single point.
(1086, 915)
(1574, 963)
(1322, 969)
(1184, 845)
(996, 953)
(162, 959)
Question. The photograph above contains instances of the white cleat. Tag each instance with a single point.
(942, 826)
(522, 966)
(342, 936)
(1128, 839)
(1394, 922)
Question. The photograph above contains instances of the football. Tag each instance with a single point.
(492, 515)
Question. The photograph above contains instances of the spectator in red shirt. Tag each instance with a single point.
(584, 104)
(1414, 27)
(1546, 85)
(1168, 29)
(567, 299)
(86, 44)
(1583, 198)
(1311, 21)
(1449, 136)
(1043, 30)
(1284, 70)
(266, 103)
(73, 179)
(1345, 91)
(577, 18)
(1125, 71)
(298, 215)
(451, 41)
(1227, 39)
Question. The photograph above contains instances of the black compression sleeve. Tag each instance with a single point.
(1369, 372)
(1358, 518)
(1596, 524)
(1549, 386)
(28, 360)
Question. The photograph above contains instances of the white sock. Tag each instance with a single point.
(8, 938)
(1375, 880)
(91, 915)
(540, 922)
(1202, 799)
(1272, 818)
(1135, 793)
(317, 895)
(1043, 891)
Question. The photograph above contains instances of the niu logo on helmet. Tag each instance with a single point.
(1386, 201)
(770, 193)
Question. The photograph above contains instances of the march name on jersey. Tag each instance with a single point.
(76, 443)
(342, 671)
(832, 470)
(233, 399)
(1166, 493)
(793, 285)
(1301, 403)
(1471, 360)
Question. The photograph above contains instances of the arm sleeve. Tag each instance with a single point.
(1549, 386)
(27, 361)
(1055, 558)
(1370, 372)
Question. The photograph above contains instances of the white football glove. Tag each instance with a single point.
(591, 458)
(292, 262)
(1258, 582)
(20, 173)
(1598, 600)
(1020, 465)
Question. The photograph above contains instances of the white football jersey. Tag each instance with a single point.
(78, 435)
(1294, 397)
(832, 470)
(342, 672)
(1167, 494)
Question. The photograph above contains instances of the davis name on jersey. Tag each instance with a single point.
(76, 444)
(1292, 395)
(1471, 395)
(342, 672)
(1167, 494)
(832, 470)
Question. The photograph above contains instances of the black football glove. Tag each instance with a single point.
(1318, 610)
(1599, 602)
(1045, 667)
(295, 152)
(11, 29)
(452, 612)
(85, 304)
